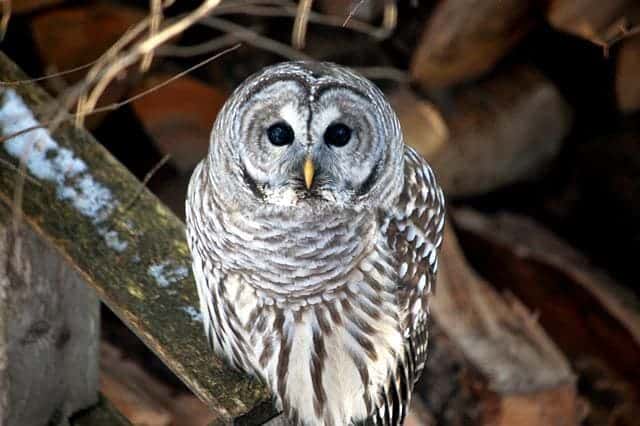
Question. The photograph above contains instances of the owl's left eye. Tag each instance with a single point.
(280, 134)
(337, 134)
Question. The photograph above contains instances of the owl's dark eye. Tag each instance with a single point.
(280, 134)
(337, 134)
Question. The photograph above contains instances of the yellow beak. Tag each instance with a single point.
(309, 170)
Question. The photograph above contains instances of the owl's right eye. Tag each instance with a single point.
(280, 134)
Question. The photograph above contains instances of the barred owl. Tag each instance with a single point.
(315, 234)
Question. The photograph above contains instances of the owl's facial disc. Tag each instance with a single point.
(307, 135)
(309, 149)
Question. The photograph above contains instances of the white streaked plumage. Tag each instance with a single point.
(321, 292)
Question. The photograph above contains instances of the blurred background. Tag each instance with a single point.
(529, 111)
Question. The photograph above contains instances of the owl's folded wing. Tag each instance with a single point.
(414, 230)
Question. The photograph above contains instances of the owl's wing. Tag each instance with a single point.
(413, 230)
(206, 275)
(414, 233)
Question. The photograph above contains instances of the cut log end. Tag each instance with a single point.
(463, 40)
(501, 131)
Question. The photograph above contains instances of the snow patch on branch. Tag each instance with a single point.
(48, 161)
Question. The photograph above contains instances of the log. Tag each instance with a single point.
(178, 117)
(490, 362)
(101, 414)
(424, 127)
(131, 390)
(593, 319)
(627, 72)
(124, 243)
(463, 39)
(49, 331)
(143, 399)
(489, 135)
(594, 20)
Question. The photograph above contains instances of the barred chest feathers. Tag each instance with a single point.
(328, 360)
(329, 339)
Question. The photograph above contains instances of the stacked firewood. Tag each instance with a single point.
(528, 111)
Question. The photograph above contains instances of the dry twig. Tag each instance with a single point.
(255, 39)
(300, 24)
(116, 105)
(198, 49)
(146, 180)
(6, 16)
(155, 7)
(352, 12)
(390, 19)
(103, 74)
(286, 9)
(48, 76)
(22, 175)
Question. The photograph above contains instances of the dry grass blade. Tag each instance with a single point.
(352, 12)
(49, 76)
(21, 132)
(104, 74)
(6, 17)
(390, 19)
(146, 180)
(255, 39)
(155, 7)
(110, 55)
(198, 49)
(290, 10)
(116, 105)
(237, 33)
(299, 33)
(159, 86)
(12, 166)
(79, 92)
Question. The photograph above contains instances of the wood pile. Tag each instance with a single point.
(144, 399)
(463, 40)
(510, 371)
(528, 112)
(593, 319)
(508, 126)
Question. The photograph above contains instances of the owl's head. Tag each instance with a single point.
(307, 135)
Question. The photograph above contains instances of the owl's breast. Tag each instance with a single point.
(292, 258)
(327, 359)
